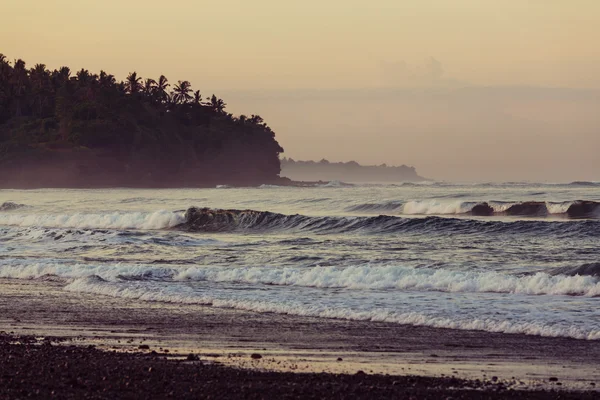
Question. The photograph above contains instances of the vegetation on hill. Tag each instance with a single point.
(350, 171)
(59, 128)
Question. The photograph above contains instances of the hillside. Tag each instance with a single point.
(59, 129)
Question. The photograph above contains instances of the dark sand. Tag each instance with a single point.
(224, 340)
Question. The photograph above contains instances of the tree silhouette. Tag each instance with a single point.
(181, 92)
(133, 83)
(144, 130)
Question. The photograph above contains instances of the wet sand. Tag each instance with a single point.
(223, 338)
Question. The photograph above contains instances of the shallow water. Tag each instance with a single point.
(426, 262)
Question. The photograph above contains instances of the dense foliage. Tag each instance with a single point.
(95, 129)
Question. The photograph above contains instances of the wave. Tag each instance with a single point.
(215, 220)
(570, 209)
(9, 206)
(584, 183)
(389, 206)
(590, 269)
(114, 220)
(97, 285)
(400, 278)
(573, 282)
(211, 220)
(335, 184)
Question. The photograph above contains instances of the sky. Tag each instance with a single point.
(463, 90)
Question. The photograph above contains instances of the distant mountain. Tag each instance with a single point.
(346, 171)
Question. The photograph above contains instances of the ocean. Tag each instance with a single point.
(403, 253)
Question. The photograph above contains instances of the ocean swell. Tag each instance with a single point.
(211, 220)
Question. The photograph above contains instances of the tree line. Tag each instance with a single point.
(148, 128)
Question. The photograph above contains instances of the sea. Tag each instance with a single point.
(406, 253)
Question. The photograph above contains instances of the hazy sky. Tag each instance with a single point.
(387, 77)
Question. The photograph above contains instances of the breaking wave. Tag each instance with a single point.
(569, 209)
(115, 220)
(401, 278)
(365, 277)
(211, 220)
(215, 220)
(590, 269)
(97, 285)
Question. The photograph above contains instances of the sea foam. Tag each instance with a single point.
(365, 277)
(96, 285)
(115, 220)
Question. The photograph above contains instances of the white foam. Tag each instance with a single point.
(17, 269)
(355, 277)
(97, 286)
(401, 278)
(435, 207)
(115, 220)
(445, 207)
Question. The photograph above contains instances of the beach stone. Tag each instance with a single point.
(255, 356)
(144, 347)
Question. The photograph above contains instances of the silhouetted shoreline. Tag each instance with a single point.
(350, 171)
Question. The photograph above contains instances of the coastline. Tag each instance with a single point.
(295, 344)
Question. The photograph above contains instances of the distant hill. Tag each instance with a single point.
(64, 129)
(346, 171)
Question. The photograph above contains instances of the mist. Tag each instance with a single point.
(466, 134)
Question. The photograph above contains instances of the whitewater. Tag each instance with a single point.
(514, 258)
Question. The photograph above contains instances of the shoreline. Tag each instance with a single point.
(53, 368)
(294, 344)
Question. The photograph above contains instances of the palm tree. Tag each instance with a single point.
(83, 77)
(197, 98)
(106, 80)
(181, 92)
(4, 65)
(40, 80)
(85, 83)
(149, 87)
(61, 76)
(5, 73)
(217, 105)
(161, 89)
(133, 83)
(19, 83)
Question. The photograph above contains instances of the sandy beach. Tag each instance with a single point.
(438, 359)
